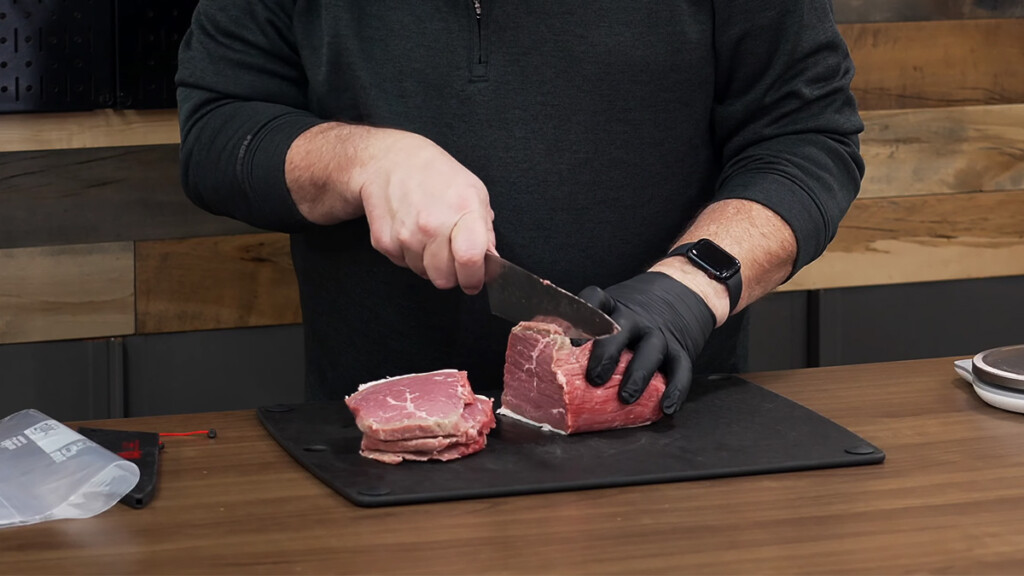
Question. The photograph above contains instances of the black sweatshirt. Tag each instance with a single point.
(599, 127)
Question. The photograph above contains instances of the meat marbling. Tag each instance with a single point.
(413, 406)
(431, 416)
(479, 414)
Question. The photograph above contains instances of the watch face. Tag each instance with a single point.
(714, 259)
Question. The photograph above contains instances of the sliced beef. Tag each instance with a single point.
(413, 406)
(444, 454)
(432, 416)
(479, 414)
(545, 384)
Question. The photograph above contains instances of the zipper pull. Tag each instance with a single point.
(477, 8)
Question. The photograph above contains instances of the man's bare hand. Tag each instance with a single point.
(426, 211)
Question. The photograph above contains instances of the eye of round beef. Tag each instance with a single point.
(546, 385)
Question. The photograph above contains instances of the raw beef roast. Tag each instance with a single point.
(545, 384)
(432, 416)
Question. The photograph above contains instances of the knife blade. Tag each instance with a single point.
(519, 296)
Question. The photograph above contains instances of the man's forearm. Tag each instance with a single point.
(758, 237)
(322, 168)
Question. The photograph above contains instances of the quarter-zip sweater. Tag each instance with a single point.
(600, 128)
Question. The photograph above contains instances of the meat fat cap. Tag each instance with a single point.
(506, 412)
(390, 378)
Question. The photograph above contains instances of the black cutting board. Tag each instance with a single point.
(727, 427)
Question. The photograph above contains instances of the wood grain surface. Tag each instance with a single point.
(94, 195)
(943, 150)
(913, 10)
(65, 292)
(946, 500)
(215, 282)
(97, 128)
(940, 63)
(222, 282)
(922, 239)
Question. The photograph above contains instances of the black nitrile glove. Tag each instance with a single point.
(664, 322)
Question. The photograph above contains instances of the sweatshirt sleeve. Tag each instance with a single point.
(241, 93)
(785, 120)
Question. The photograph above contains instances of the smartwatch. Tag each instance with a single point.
(718, 264)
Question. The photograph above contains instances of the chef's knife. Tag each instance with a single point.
(519, 296)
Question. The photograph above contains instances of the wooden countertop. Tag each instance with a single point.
(947, 499)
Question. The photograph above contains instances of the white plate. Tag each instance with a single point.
(998, 396)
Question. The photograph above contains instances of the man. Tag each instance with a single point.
(398, 141)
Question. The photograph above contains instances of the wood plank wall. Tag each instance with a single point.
(937, 64)
(95, 129)
(63, 292)
(215, 282)
(943, 198)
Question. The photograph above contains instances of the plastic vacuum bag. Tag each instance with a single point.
(48, 471)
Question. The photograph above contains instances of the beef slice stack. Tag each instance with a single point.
(545, 384)
(431, 416)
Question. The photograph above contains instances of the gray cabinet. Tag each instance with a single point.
(213, 370)
(779, 329)
(70, 380)
(153, 374)
(925, 320)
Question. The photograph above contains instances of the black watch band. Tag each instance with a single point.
(718, 264)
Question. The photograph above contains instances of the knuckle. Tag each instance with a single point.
(596, 297)
(471, 182)
(472, 195)
(375, 241)
(405, 236)
(675, 351)
(382, 242)
(466, 258)
(656, 341)
(428, 224)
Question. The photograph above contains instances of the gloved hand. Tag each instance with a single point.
(664, 322)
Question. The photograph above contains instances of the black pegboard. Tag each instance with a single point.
(56, 55)
(148, 35)
(62, 55)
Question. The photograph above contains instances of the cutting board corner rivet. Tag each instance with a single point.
(860, 449)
